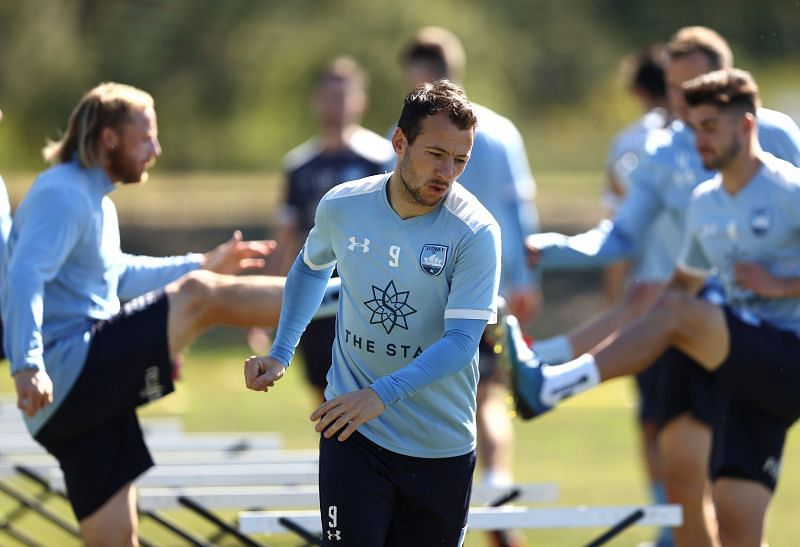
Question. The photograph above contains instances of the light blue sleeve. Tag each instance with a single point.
(448, 355)
(476, 277)
(143, 274)
(318, 251)
(781, 137)
(521, 218)
(302, 294)
(610, 241)
(53, 226)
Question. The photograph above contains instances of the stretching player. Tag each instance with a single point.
(81, 364)
(743, 224)
(668, 170)
(419, 259)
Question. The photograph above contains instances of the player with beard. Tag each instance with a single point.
(742, 225)
(419, 259)
(81, 363)
(667, 171)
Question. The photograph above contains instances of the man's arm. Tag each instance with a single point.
(143, 274)
(608, 242)
(53, 224)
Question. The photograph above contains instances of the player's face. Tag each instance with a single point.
(682, 70)
(718, 136)
(339, 103)
(437, 157)
(137, 149)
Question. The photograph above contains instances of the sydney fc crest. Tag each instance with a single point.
(760, 221)
(433, 258)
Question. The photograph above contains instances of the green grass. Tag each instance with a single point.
(588, 446)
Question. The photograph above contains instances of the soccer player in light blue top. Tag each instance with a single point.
(81, 362)
(419, 260)
(668, 171)
(743, 225)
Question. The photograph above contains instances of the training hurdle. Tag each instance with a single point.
(227, 497)
(489, 518)
(219, 474)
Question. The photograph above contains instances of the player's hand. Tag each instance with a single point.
(235, 255)
(34, 390)
(347, 412)
(524, 303)
(261, 373)
(754, 277)
(532, 250)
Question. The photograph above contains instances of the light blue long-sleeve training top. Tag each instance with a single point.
(416, 295)
(669, 170)
(66, 271)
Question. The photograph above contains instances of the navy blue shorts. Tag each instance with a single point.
(95, 434)
(647, 385)
(683, 387)
(316, 346)
(748, 442)
(371, 496)
(762, 368)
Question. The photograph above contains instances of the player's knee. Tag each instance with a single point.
(671, 308)
(193, 294)
(684, 476)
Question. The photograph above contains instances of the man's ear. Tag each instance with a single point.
(109, 139)
(748, 122)
(399, 141)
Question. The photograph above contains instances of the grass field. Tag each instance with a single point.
(588, 446)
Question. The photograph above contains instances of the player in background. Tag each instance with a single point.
(742, 225)
(342, 150)
(668, 170)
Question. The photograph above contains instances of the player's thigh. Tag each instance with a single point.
(741, 509)
(115, 523)
(355, 491)
(700, 330)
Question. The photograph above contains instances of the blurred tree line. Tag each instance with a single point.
(231, 78)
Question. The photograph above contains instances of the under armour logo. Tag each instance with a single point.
(355, 243)
(772, 467)
(335, 535)
(152, 387)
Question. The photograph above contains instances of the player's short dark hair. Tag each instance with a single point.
(690, 40)
(344, 68)
(729, 89)
(646, 71)
(431, 98)
(439, 49)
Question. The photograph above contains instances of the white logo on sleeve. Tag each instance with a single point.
(355, 243)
